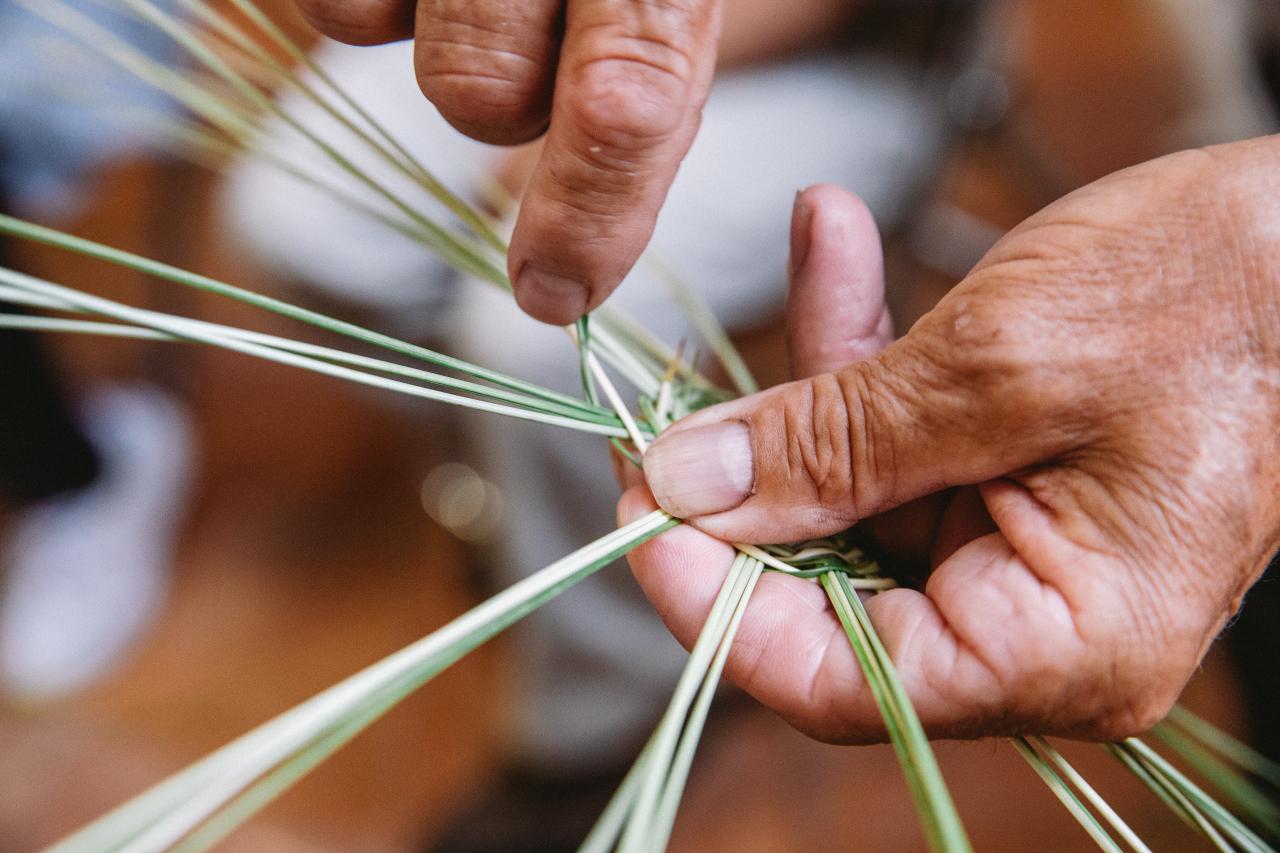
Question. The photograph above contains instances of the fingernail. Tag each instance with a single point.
(550, 297)
(801, 231)
(702, 470)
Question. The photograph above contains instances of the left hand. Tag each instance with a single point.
(616, 85)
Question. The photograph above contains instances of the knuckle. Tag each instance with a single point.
(818, 441)
(871, 461)
(986, 344)
(492, 83)
(633, 78)
(996, 352)
(1100, 697)
(490, 108)
(583, 209)
(625, 107)
(1134, 717)
(830, 443)
(816, 445)
(1144, 681)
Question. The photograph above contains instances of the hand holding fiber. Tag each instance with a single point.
(1089, 419)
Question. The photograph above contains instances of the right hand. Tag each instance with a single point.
(1108, 378)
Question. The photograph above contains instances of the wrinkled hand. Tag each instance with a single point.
(1090, 418)
(619, 83)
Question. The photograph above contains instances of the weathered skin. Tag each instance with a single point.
(1085, 425)
(1085, 433)
(616, 86)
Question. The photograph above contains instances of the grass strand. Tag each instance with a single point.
(1066, 796)
(48, 236)
(295, 354)
(1251, 802)
(303, 736)
(943, 829)
(1100, 805)
(1237, 751)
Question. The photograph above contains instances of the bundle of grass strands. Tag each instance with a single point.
(198, 806)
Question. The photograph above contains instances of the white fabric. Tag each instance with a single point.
(301, 233)
(85, 573)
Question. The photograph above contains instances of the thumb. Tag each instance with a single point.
(813, 457)
(836, 310)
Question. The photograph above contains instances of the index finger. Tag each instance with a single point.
(632, 79)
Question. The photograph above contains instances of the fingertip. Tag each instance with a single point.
(835, 197)
(836, 311)
(845, 233)
(701, 470)
(833, 218)
(510, 107)
(1015, 509)
(635, 503)
(801, 233)
(551, 297)
(498, 130)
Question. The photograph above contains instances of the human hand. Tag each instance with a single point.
(1103, 389)
(620, 84)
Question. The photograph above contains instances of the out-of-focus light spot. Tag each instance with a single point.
(464, 503)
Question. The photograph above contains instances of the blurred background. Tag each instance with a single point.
(192, 541)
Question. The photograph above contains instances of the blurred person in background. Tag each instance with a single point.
(91, 486)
